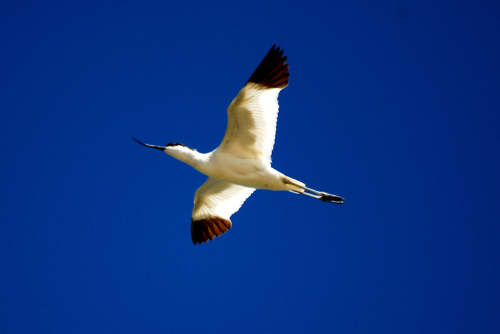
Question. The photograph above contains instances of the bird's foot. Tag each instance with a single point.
(331, 198)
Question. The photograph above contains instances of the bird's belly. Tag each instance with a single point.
(247, 172)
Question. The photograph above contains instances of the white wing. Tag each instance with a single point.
(252, 115)
(214, 203)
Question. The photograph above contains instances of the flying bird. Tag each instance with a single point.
(242, 162)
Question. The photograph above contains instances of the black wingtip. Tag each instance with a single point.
(272, 72)
(204, 230)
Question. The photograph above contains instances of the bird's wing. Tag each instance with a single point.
(252, 115)
(214, 203)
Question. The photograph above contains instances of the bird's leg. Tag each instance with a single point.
(322, 196)
(307, 194)
(325, 197)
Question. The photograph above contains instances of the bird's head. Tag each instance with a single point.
(177, 150)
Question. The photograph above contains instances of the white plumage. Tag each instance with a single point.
(242, 162)
(251, 126)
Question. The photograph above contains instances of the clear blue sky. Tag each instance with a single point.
(393, 105)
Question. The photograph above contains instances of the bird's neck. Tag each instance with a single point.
(188, 155)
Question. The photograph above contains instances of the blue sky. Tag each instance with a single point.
(392, 105)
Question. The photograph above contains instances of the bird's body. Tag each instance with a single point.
(247, 172)
(242, 162)
(243, 171)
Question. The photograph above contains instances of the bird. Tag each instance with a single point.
(242, 162)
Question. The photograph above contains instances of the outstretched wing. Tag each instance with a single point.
(252, 115)
(214, 203)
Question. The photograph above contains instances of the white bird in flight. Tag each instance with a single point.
(242, 162)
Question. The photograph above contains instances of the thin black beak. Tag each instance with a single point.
(162, 148)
